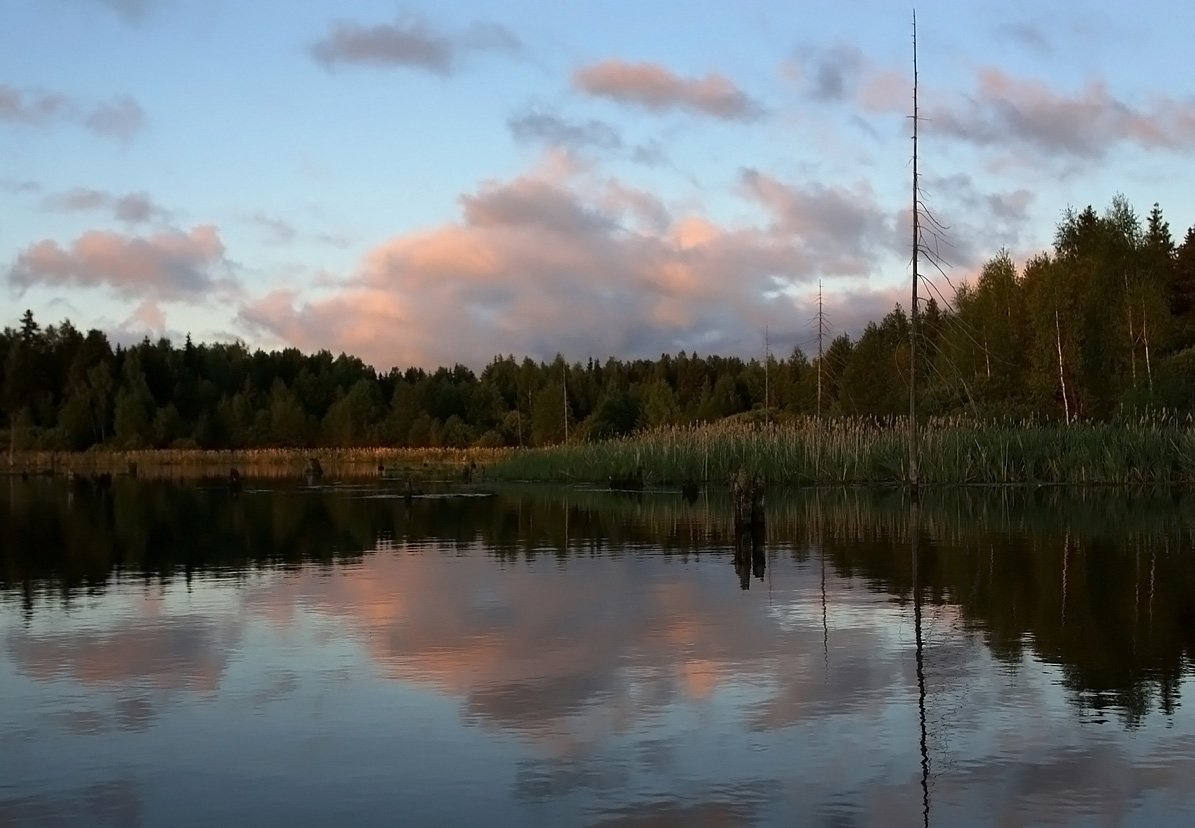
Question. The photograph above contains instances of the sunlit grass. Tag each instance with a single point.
(1151, 450)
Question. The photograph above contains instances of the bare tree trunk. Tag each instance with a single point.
(1066, 406)
(1145, 336)
(821, 327)
(766, 359)
(1132, 335)
(564, 396)
(913, 303)
(519, 415)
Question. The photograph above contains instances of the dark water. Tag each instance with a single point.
(171, 654)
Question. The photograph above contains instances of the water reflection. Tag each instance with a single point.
(1099, 584)
(586, 657)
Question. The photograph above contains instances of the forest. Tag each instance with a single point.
(1098, 328)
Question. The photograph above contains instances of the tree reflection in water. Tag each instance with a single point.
(1098, 583)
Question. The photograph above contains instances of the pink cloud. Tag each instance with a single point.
(1004, 111)
(1083, 124)
(147, 316)
(169, 264)
(373, 324)
(652, 87)
(560, 261)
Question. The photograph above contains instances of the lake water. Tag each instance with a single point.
(176, 654)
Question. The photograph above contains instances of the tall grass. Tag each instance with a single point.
(272, 462)
(1158, 449)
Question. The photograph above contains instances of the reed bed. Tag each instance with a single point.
(272, 462)
(1157, 449)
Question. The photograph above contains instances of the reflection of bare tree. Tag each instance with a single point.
(821, 548)
(1066, 556)
(914, 531)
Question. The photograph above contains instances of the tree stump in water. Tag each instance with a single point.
(746, 493)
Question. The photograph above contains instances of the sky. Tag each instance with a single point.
(423, 184)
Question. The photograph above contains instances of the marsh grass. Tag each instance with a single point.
(275, 462)
(1158, 449)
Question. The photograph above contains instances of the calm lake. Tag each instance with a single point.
(178, 654)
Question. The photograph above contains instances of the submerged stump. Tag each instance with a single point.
(746, 494)
(747, 498)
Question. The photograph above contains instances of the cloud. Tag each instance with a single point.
(1009, 113)
(652, 87)
(33, 108)
(556, 262)
(846, 225)
(409, 44)
(1029, 36)
(277, 230)
(146, 316)
(532, 203)
(137, 207)
(79, 199)
(651, 154)
(977, 221)
(131, 208)
(490, 36)
(131, 11)
(20, 185)
(166, 265)
(553, 130)
(832, 74)
(121, 118)
(1087, 124)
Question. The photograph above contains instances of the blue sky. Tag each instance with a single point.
(422, 183)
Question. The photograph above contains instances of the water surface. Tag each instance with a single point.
(179, 654)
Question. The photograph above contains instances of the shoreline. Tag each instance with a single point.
(280, 462)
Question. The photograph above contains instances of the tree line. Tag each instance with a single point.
(1102, 325)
